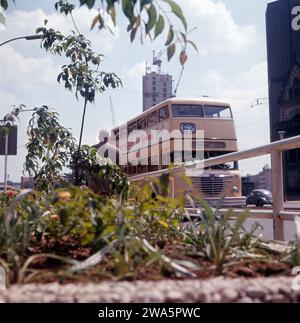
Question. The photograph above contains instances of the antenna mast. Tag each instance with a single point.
(157, 61)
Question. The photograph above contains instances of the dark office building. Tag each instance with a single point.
(283, 45)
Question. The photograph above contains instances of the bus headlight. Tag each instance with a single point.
(187, 127)
(235, 189)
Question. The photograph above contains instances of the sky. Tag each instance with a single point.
(231, 65)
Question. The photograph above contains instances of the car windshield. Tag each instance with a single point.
(265, 192)
(224, 166)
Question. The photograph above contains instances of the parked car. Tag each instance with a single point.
(259, 197)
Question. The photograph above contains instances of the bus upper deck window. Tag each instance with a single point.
(187, 110)
(152, 119)
(142, 124)
(217, 112)
(131, 127)
(163, 114)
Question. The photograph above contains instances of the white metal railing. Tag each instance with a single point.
(275, 149)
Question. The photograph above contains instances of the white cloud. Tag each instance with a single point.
(15, 68)
(133, 75)
(217, 30)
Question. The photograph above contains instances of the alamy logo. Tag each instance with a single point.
(296, 18)
(2, 279)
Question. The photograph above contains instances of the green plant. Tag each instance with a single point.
(294, 255)
(82, 74)
(129, 231)
(129, 236)
(217, 237)
(70, 213)
(146, 220)
(99, 173)
(49, 145)
(16, 230)
(48, 149)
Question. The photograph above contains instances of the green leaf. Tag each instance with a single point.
(171, 51)
(2, 19)
(177, 11)
(132, 34)
(194, 45)
(152, 14)
(127, 8)
(89, 3)
(143, 3)
(183, 37)
(170, 36)
(159, 27)
(4, 4)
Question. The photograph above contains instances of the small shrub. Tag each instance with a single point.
(218, 238)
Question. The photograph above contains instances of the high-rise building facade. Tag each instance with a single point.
(283, 45)
(156, 88)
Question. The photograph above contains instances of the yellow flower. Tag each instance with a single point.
(63, 196)
(163, 223)
(55, 217)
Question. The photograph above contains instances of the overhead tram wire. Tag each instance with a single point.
(251, 106)
(258, 101)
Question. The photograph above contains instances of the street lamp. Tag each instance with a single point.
(30, 37)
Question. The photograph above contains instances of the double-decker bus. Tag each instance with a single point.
(185, 116)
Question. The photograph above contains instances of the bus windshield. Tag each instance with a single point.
(187, 110)
(199, 111)
(217, 112)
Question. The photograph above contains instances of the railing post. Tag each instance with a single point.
(277, 190)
